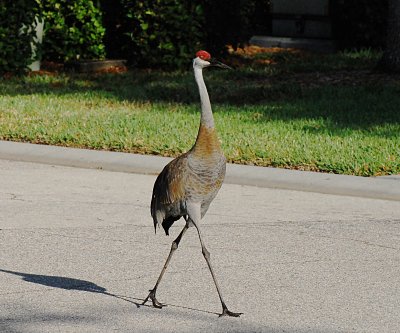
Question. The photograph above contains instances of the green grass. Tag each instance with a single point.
(263, 117)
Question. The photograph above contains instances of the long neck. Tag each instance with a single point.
(207, 118)
(207, 142)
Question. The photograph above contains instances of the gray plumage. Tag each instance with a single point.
(187, 178)
(189, 183)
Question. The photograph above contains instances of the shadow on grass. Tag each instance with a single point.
(344, 106)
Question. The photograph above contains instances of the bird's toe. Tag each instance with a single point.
(154, 300)
(226, 312)
(156, 303)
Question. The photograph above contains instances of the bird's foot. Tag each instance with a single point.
(226, 312)
(154, 300)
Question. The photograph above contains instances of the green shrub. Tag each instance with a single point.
(148, 33)
(167, 33)
(163, 33)
(73, 30)
(17, 35)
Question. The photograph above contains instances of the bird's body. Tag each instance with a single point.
(189, 183)
(195, 176)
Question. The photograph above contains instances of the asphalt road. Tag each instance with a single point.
(79, 253)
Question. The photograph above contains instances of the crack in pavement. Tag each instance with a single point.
(357, 240)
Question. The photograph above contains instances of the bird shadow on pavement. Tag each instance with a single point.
(68, 284)
(83, 285)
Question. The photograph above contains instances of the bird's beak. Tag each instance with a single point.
(216, 63)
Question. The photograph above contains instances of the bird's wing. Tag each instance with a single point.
(169, 190)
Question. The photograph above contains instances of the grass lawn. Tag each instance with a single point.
(327, 113)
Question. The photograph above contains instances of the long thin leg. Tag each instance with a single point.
(174, 246)
(206, 254)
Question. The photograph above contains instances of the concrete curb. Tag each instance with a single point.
(387, 188)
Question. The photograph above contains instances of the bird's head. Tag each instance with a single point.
(203, 59)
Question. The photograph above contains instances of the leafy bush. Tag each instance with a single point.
(73, 30)
(167, 33)
(162, 33)
(149, 33)
(17, 34)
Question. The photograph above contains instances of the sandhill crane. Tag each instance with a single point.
(188, 184)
